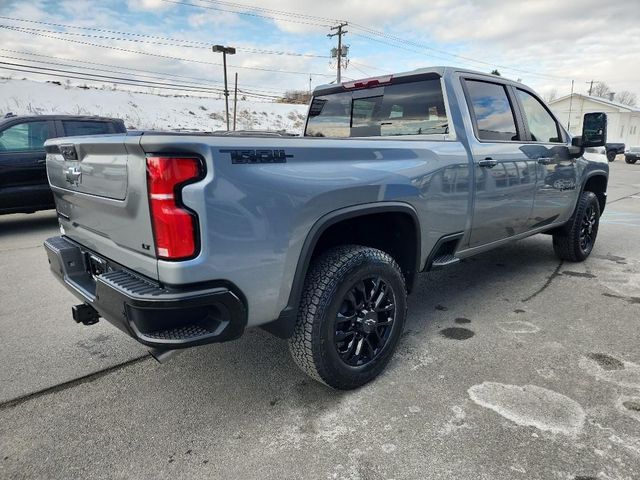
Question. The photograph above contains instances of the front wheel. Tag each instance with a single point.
(575, 241)
(351, 316)
(630, 160)
(611, 156)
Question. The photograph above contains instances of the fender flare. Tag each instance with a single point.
(284, 325)
(596, 173)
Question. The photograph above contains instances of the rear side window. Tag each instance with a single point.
(24, 137)
(542, 126)
(492, 110)
(414, 108)
(74, 128)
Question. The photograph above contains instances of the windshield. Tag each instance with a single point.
(415, 108)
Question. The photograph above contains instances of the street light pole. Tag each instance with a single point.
(231, 51)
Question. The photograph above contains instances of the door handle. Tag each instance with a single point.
(545, 160)
(487, 162)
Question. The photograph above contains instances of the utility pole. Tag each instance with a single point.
(225, 51)
(235, 102)
(339, 52)
(590, 86)
(570, 105)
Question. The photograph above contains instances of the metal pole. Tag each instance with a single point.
(235, 103)
(226, 90)
(570, 105)
(339, 78)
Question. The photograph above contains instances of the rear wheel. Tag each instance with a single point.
(630, 160)
(351, 316)
(575, 241)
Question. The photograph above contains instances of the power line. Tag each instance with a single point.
(370, 31)
(290, 72)
(175, 75)
(115, 80)
(274, 11)
(251, 14)
(150, 83)
(444, 52)
(140, 38)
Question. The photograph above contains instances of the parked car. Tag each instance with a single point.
(23, 177)
(632, 155)
(614, 149)
(195, 238)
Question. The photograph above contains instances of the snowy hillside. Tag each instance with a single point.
(145, 110)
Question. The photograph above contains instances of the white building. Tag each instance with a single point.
(623, 121)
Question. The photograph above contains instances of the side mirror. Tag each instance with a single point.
(594, 130)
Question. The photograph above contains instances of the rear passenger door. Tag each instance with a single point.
(557, 175)
(504, 175)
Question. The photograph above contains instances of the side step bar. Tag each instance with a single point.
(444, 261)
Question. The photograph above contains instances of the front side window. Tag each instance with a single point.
(542, 125)
(492, 110)
(24, 137)
(412, 108)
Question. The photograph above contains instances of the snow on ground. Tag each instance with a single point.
(146, 111)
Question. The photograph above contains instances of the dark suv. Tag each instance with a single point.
(23, 176)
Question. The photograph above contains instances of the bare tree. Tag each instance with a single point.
(600, 89)
(627, 98)
(551, 95)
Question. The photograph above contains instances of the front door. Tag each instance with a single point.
(505, 177)
(557, 175)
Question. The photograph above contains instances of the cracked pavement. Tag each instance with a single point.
(512, 365)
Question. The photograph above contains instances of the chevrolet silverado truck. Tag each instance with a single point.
(189, 239)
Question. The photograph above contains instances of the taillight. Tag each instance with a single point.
(174, 227)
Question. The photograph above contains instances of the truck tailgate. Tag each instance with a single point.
(100, 188)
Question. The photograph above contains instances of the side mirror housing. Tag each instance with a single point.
(594, 130)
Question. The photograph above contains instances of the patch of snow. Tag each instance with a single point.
(146, 111)
(530, 405)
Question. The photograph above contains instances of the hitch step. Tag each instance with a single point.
(85, 314)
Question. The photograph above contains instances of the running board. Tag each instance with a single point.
(444, 261)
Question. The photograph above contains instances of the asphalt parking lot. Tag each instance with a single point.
(513, 365)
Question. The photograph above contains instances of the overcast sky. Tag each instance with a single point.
(544, 43)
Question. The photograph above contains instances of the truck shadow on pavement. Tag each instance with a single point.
(18, 223)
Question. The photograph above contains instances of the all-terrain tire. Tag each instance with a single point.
(330, 278)
(569, 242)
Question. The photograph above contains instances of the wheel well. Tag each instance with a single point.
(395, 233)
(598, 185)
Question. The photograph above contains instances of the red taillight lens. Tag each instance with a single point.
(174, 227)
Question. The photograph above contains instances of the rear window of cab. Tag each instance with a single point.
(412, 108)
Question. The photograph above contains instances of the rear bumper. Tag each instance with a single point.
(156, 316)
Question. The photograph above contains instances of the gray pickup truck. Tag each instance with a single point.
(188, 239)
